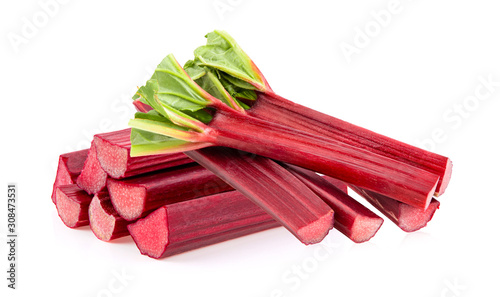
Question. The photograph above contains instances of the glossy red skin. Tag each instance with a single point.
(272, 107)
(352, 165)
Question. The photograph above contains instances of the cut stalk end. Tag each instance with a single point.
(364, 228)
(112, 158)
(105, 222)
(93, 177)
(317, 230)
(101, 223)
(413, 219)
(69, 168)
(72, 205)
(128, 200)
(151, 234)
(445, 179)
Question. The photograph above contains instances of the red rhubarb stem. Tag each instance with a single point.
(272, 107)
(352, 165)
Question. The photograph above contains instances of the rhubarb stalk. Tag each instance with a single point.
(185, 111)
(238, 73)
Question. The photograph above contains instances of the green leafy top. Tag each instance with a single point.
(174, 95)
(223, 53)
(179, 114)
(221, 85)
(182, 98)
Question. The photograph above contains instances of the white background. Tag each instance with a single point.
(73, 76)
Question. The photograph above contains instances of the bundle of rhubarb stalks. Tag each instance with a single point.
(213, 153)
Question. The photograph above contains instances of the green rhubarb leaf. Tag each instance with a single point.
(180, 97)
(179, 114)
(146, 143)
(216, 84)
(223, 53)
(141, 138)
(158, 120)
(236, 91)
(174, 95)
(176, 89)
(241, 84)
(210, 83)
(147, 94)
(194, 70)
(153, 115)
(234, 87)
(155, 123)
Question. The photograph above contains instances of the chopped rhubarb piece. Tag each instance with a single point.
(105, 222)
(68, 169)
(352, 218)
(133, 197)
(273, 188)
(72, 205)
(92, 179)
(187, 225)
(113, 152)
(406, 217)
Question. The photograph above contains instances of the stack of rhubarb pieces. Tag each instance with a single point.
(214, 154)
